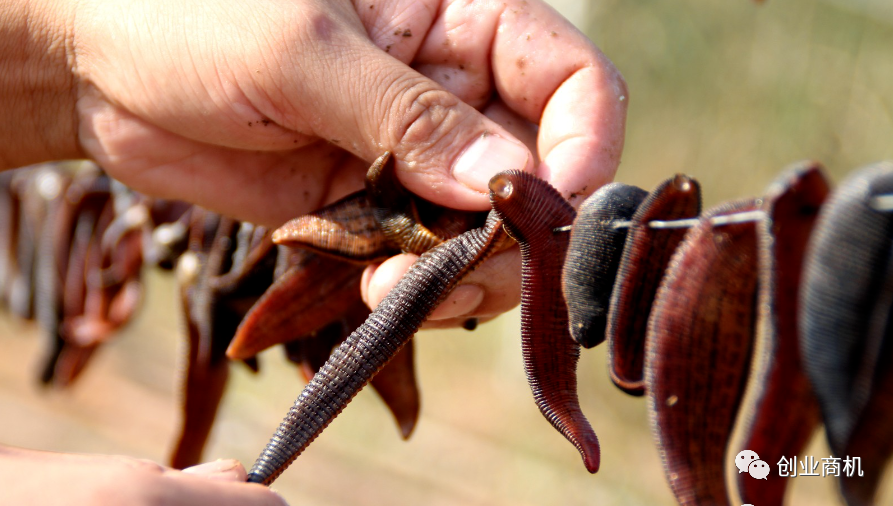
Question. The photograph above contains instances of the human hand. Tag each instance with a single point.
(267, 110)
(43, 478)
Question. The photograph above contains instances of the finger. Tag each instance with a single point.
(446, 150)
(548, 72)
(186, 489)
(221, 469)
(397, 27)
(491, 289)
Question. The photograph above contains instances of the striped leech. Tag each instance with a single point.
(393, 323)
(532, 210)
(777, 382)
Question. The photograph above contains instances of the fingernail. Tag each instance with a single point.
(487, 156)
(463, 300)
(219, 469)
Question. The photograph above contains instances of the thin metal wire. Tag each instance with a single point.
(726, 219)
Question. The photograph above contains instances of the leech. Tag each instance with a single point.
(777, 382)
(697, 352)
(646, 254)
(593, 255)
(531, 208)
(395, 209)
(846, 327)
(393, 323)
(345, 229)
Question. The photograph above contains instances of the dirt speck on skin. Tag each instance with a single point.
(521, 62)
(387, 49)
(446, 77)
(553, 33)
(265, 121)
(461, 67)
(371, 6)
(249, 123)
(407, 33)
(398, 31)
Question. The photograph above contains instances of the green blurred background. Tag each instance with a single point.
(725, 90)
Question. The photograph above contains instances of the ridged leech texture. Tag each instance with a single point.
(311, 293)
(697, 352)
(346, 229)
(845, 328)
(395, 383)
(645, 258)
(377, 341)
(531, 210)
(777, 383)
(395, 209)
(593, 256)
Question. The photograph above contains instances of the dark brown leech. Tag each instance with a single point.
(844, 319)
(346, 229)
(697, 352)
(205, 380)
(370, 347)
(221, 294)
(777, 382)
(395, 383)
(593, 257)
(311, 293)
(645, 257)
(81, 341)
(395, 209)
(531, 209)
(95, 213)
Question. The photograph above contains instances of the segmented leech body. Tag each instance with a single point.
(372, 345)
(777, 382)
(645, 258)
(697, 352)
(845, 324)
(531, 210)
(346, 229)
(593, 256)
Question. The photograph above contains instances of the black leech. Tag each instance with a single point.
(370, 347)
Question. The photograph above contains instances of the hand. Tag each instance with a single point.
(267, 110)
(43, 478)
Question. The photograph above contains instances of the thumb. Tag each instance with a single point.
(446, 150)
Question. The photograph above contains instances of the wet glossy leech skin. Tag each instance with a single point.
(531, 210)
(392, 324)
(645, 258)
(596, 246)
(697, 351)
(777, 382)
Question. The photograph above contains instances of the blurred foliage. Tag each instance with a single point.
(731, 92)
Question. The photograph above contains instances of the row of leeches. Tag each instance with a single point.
(740, 327)
(766, 317)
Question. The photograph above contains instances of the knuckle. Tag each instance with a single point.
(421, 117)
